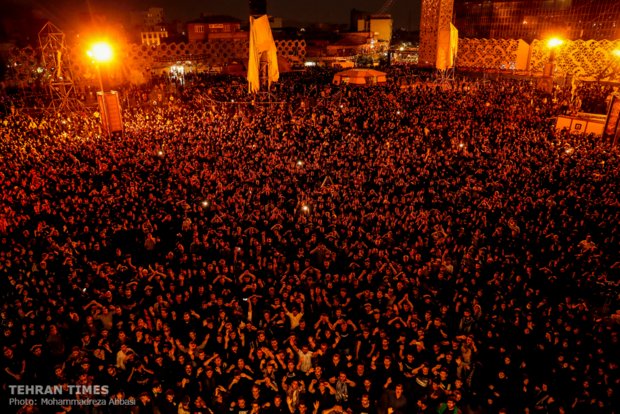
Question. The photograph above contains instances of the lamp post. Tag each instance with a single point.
(553, 45)
(616, 55)
(546, 82)
(101, 52)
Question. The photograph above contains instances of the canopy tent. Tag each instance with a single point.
(360, 77)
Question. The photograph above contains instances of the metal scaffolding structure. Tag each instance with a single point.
(57, 69)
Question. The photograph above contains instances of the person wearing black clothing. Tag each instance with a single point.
(360, 374)
(240, 383)
(240, 406)
(367, 387)
(365, 406)
(423, 407)
(189, 383)
(422, 381)
(168, 404)
(209, 383)
(278, 406)
(35, 372)
(219, 405)
(157, 396)
(323, 393)
(346, 332)
(13, 367)
(386, 373)
(291, 372)
(334, 368)
(144, 404)
(394, 401)
(112, 378)
(257, 396)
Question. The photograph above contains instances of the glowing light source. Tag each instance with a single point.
(160, 153)
(616, 53)
(305, 208)
(300, 163)
(101, 52)
(205, 203)
(555, 42)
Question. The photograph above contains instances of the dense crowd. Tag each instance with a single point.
(363, 250)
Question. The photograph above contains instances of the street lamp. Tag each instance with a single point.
(101, 52)
(553, 44)
(546, 82)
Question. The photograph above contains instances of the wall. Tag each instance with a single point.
(139, 59)
(584, 59)
(581, 125)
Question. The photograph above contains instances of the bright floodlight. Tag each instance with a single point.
(616, 53)
(554, 42)
(101, 52)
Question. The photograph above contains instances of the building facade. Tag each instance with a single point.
(538, 19)
(153, 38)
(154, 16)
(202, 29)
(148, 18)
(380, 25)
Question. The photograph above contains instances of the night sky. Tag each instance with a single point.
(406, 13)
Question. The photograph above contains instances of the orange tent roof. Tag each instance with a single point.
(360, 76)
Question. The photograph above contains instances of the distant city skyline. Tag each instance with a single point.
(406, 13)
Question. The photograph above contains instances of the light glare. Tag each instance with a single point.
(555, 42)
(101, 52)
